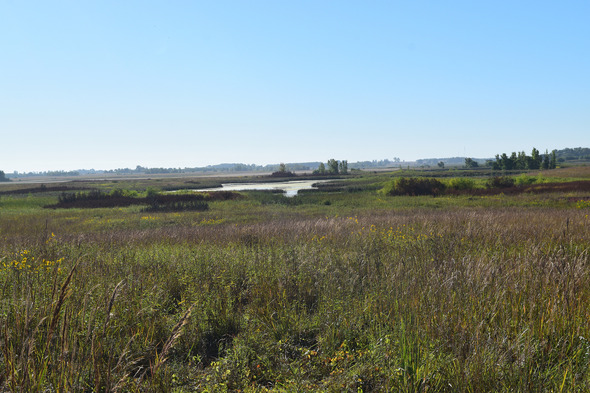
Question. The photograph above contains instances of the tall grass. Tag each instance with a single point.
(468, 299)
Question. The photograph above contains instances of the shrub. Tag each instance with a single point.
(460, 183)
(116, 192)
(500, 182)
(283, 174)
(525, 180)
(122, 198)
(119, 192)
(414, 186)
(151, 192)
(195, 205)
(92, 195)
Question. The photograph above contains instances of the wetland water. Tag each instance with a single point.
(290, 188)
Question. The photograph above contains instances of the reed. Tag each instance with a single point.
(465, 298)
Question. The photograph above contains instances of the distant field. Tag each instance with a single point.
(130, 177)
(345, 288)
(576, 172)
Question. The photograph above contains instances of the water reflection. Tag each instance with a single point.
(290, 188)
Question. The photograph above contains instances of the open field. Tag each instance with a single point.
(342, 289)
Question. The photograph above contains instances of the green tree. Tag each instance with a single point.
(497, 165)
(546, 158)
(3, 177)
(535, 160)
(333, 166)
(282, 167)
(508, 162)
(441, 164)
(513, 158)
(521, 160)
(321, 169)
(553, 160)
(343, 167)
(471, 163)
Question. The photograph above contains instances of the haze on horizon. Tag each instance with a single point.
(109, 85)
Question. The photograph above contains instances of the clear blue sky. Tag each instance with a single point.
(110, 84)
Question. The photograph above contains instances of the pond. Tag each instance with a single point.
(290, 188)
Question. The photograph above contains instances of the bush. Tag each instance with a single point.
(122, 198)
(500, 182)
(92, 195)
(181, 206)
(151, 192)
(460, 183)
(414, 186)
(283, 174)
(525, 180)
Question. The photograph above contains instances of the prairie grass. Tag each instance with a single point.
(365, 294)
(579, 172)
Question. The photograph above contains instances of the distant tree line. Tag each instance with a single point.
(3, 177)
(521, 161)
(62, 173)
(45, 173)
(375, 163)
(449, 161)
(514, 161)
(332, 167)
(573, 154)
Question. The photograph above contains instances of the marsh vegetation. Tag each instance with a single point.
(338, 289)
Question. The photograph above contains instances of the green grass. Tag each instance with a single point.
(24, 203)
(366, 293)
